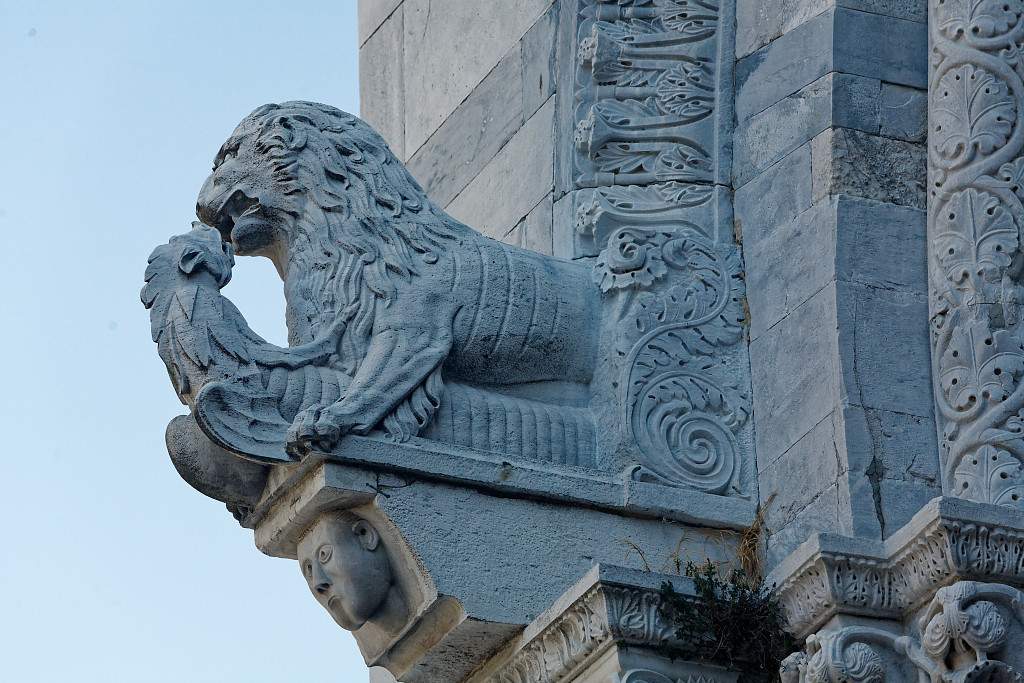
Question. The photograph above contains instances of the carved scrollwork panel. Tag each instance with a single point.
(646, 91)
(649, 81)
(677, 291)
(975, 145)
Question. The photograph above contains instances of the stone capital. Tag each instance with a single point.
(949, 540)
(607, 627)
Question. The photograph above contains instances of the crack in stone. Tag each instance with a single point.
(875, 473)
(875, 470)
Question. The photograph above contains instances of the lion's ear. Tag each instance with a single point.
(191, 258)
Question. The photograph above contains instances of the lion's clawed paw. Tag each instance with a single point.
(302, 435)
(314, 429)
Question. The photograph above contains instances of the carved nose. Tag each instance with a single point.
(321, 584)
(205, 208)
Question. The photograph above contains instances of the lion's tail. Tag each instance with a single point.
(414, 413)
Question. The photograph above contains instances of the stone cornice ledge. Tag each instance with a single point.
(949, 540)
(608, 607)
(423, 459)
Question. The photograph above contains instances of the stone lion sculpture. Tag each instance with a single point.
(426, 300)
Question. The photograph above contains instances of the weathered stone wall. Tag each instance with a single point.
(465, 97)
(829, 170)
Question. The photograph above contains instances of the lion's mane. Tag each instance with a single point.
(368, 220)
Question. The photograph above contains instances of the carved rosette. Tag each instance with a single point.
(976, 170)
(646, 143)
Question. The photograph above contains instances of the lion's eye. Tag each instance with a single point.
(324, 554)
(226, 153)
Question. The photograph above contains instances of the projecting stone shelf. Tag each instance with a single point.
(421, 459)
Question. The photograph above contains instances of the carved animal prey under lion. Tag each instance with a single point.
(401, 319)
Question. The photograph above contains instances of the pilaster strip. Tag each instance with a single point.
(975, 192)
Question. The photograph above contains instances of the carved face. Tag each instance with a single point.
(244, 196)
(346, 568)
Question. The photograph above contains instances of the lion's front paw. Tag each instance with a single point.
(302, 433)
(314, 429)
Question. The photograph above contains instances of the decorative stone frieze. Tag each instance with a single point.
(652, 116)
(948, 540)
(649, 91)
(975, 191)
(970, 631)
(607, 627)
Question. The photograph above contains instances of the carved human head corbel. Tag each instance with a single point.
(347, 568)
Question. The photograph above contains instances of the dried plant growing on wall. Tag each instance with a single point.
(732, 620)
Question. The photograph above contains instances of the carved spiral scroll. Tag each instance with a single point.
(683, 443)
(683, 417)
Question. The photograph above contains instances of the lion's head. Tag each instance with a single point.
(318, 192)
(302, 161)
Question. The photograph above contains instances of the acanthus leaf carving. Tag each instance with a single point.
(980, 364)
(990, 475)
(977, 18)
(620, 614)
(687, 91)
(975, 171)
(972, 112)
(903, 573)
(683, 420)
(684, 194)
(684, 161)
(602, 51)
(976, 239)
(695, 19)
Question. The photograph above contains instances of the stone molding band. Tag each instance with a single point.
(947, 541)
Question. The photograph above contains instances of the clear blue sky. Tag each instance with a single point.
(111, 568)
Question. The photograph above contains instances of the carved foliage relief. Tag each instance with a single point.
(975, 190)
(845, 583)
(962, 635)
(606, 614)
(646, 109)
(647, 206)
